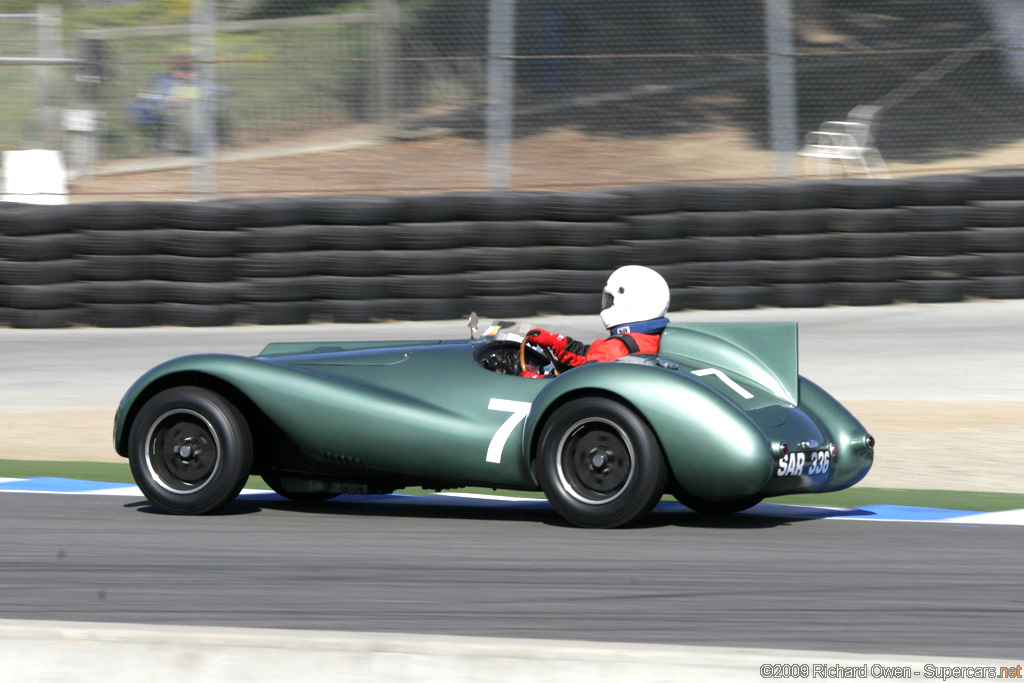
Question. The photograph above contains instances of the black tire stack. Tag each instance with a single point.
(37, 271)
(510, 254)
(997, 235)
(706, 240)
(841, 241)
(115, 254)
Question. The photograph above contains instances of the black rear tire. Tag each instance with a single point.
(599, 464)
(190, 451)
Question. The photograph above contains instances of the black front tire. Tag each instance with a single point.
(599, 464)
(190, 451)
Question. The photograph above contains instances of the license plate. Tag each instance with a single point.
(811, 464)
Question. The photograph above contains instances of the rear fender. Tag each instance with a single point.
(854, 457)
(712, 448)
(764, 353)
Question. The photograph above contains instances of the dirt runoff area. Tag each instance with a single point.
(364, 159)
(921, 444)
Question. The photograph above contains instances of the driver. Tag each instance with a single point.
(633, 311)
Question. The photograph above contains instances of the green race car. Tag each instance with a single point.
(720, 419)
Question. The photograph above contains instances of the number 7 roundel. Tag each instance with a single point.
(519, 410)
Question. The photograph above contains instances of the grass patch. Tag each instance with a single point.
(980, 501)
(113, 472)
(90, 471)
(854, 497)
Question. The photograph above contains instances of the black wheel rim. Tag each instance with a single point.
(182, 451)
(595, 461)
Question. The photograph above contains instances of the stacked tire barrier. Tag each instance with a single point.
(510, 254)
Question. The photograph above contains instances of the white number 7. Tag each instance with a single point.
(519, 410)
(729, 382)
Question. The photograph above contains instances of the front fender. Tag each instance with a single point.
(231, 369)
(712, 448)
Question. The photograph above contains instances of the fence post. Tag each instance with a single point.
(1006, 20)
(500, 91)
(204, 52)
(778, 18)
(383, 69)
(49, 36)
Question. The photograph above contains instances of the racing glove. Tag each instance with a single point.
(555, 342)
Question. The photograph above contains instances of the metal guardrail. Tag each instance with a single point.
(233, 26)
(41, 61)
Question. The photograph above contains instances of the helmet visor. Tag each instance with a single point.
(607, 300)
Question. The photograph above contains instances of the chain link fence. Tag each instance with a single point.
(188, 98)
(30, 43)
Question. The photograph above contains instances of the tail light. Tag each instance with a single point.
(863, 443)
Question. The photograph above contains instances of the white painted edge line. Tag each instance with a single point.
(110, 653)
(485, 496)
(1004, 517)
(118, 491)
(132, 490)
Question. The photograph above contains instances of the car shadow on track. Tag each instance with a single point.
(666, 514)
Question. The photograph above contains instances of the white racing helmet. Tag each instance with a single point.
(633, 294)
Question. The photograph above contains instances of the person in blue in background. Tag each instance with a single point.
(163, 110)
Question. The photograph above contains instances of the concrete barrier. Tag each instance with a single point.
(32, 652)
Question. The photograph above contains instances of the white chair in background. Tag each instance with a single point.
(847, 142)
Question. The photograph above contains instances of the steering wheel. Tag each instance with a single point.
(547, 352)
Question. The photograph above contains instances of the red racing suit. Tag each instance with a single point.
(575, 353)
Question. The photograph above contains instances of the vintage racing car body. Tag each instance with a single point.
(720, 418)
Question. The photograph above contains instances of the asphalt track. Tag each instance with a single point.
(745, 581)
